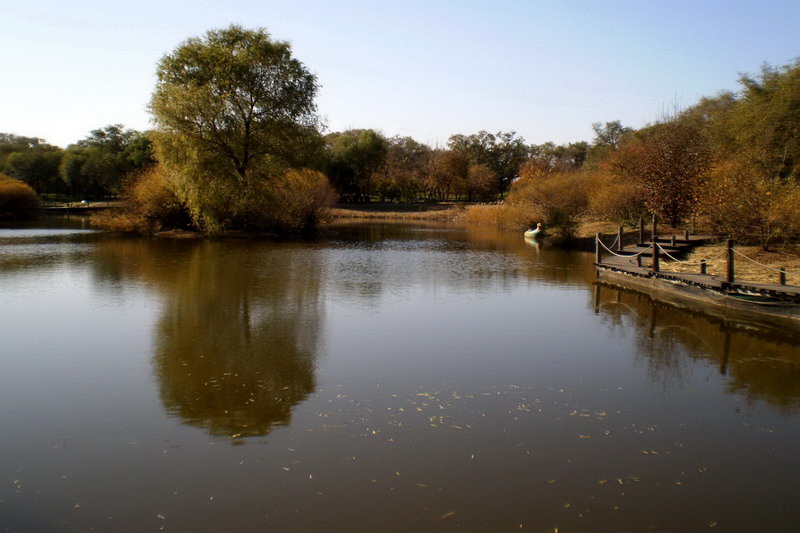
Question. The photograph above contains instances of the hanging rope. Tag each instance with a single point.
(737, 252)
(612, 252)
(689, 262)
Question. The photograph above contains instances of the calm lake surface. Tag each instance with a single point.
(377, 378)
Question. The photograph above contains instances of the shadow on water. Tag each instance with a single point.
(236, 342)
(761, 364)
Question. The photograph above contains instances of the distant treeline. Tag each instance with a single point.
(363, 165)
(238, 145)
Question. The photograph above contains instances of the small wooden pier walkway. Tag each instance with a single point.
(643, 260)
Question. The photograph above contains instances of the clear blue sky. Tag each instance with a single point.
(428, 69)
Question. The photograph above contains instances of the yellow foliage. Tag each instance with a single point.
(486, 214)
(16, 197)
(150, 203)
(749, 206)
(297, 198)
(558, 200)
(614, 198)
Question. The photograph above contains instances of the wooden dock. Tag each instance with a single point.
(643, 265)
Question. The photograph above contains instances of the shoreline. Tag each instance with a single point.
(445, 212)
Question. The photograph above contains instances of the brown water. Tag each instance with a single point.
(377, 378)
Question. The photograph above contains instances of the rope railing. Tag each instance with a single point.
(659, 252)
(666, 253)
(612, 252)
(778, 270)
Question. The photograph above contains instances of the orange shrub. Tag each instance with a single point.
(149, 203)
(615, 199)
(296, 199)
(16, 197)
(557, 200)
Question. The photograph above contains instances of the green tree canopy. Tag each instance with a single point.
(31, 160)
(233, 109)
(98, 164)
(503, 153)
(550, 157)
(609, 134)
(355, 155)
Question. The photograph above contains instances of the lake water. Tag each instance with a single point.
(376, 378)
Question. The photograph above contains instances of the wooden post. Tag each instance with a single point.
(673, 240)
(729, 246)
(686, 235)
(783, 276)
(656, 265)
(620, 234)
(703, 267)
(655, 228)
(597, 256)
(641, 231)
(639, 260)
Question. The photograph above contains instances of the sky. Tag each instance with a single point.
(546, 69)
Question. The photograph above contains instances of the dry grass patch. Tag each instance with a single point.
(441, 212)
(745, 270)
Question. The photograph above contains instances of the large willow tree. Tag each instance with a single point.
(234, 110)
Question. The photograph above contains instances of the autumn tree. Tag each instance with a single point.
(753, 194)
(448, 173)
(668, 163)
(503, 153)
(609, 137)
(404, 172)
(233, 109)
(481, 183)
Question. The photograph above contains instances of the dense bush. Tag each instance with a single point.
(749, 207)
(149, 204)
(615, 199)
(16, 198)
(557, 200)
(296, 200)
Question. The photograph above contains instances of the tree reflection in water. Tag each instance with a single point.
(760, 364)
(236, 343)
